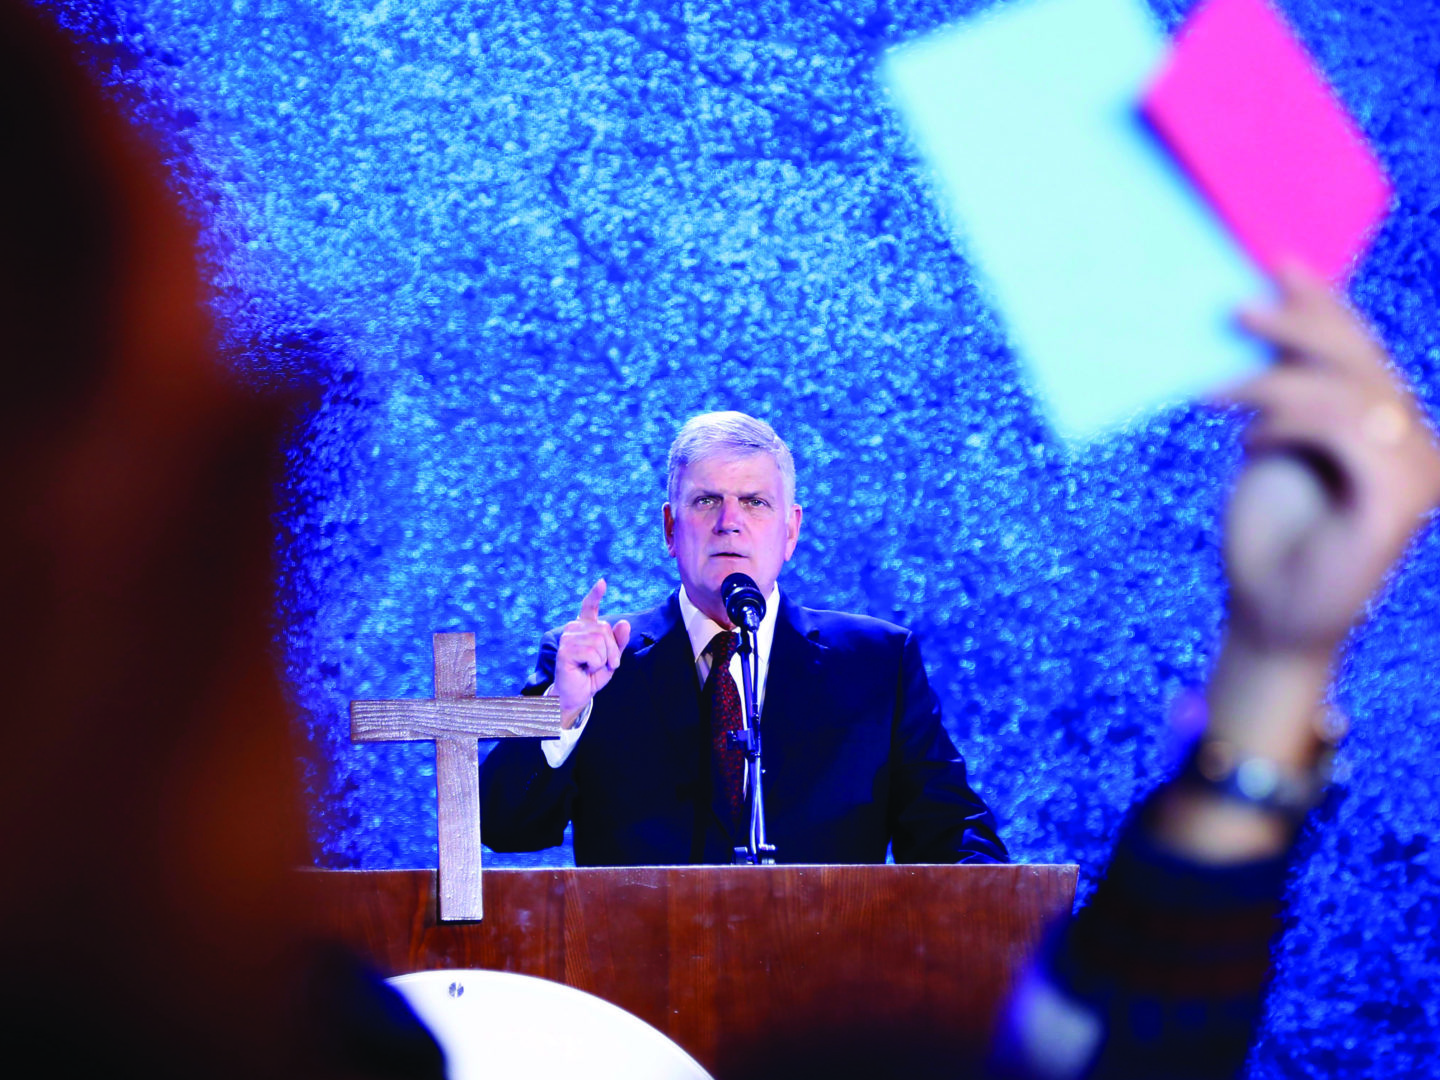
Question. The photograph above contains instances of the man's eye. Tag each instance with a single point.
(705, 500)
(757, 502)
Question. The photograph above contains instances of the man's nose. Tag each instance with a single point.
(728, 519)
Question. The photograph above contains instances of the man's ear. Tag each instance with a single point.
(669, 516)
(792, 529)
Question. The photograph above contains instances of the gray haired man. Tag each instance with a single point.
(857, 761)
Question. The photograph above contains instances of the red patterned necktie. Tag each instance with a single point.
(725, 718)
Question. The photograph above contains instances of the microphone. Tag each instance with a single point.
(743, 601)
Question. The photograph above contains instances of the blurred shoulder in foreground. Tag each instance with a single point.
(151, 822)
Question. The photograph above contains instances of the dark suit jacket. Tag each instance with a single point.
(855, 756)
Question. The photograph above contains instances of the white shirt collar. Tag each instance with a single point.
(702, 629)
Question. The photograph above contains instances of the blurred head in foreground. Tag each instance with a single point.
(151, 826)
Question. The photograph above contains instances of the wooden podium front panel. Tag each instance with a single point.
(756, 971)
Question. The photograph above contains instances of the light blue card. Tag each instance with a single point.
(1117, 282)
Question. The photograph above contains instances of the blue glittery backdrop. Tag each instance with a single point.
(517, 242)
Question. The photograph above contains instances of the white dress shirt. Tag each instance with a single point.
(701, 629)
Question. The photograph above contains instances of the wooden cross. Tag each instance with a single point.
(456, 720)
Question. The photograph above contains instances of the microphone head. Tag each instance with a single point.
(744, 602)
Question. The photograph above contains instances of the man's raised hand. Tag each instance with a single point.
(1343, 470)
(588, 654)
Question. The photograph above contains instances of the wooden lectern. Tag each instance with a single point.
(755, 971)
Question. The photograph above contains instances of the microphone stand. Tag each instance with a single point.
(756, 851)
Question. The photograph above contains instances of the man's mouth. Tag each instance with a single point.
(727, 555)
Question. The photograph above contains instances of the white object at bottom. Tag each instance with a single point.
(498, 1025)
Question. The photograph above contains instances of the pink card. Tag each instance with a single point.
(1242, 106)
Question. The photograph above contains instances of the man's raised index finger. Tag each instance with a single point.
(590, 606)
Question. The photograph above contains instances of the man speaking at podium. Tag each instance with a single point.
(856, 760)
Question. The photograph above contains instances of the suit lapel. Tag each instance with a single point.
(664, 655)
(796, 681)
(668, 693)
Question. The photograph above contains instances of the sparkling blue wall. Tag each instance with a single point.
(517, 241)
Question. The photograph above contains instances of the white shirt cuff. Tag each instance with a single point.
(556, 751)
